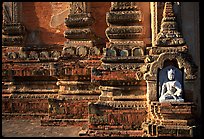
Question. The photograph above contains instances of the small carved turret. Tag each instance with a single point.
(124, 33)
(82, 39)
(169, 34)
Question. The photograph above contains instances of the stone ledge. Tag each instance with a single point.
(115, 133)
(23, 115)
(123, 104)
(49, 96)
(63, 122)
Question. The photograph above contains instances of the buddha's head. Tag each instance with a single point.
(171, 74)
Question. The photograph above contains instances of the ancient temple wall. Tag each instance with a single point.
(45, 20)
(45, 25)
(28, 108)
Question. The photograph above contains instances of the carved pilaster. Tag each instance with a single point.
(13, 32)
(13, 37)
(124, 55)
(81, 47)
(154, 23)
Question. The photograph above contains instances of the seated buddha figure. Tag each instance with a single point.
(171, 89)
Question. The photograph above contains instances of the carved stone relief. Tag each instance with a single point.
(33, 55)
(11, 12)
(44, 55)
(82, 51)
(78, 7)
(124, 53)
(13, 33)
(110, 52)
(94, 51)
(138, 52)
(55, 54)
(68, 51)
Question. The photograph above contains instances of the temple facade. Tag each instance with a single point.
(113, 68)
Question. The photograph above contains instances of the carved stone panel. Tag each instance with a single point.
(11, 12)
(138, 52)
(110, 52)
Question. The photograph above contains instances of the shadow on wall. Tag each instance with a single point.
(31, 22)
(40, 31)
(42, 36)
(98, 11)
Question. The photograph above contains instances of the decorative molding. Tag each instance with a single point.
(124, 33)
(184, 61)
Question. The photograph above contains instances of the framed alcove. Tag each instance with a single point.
(162, 76)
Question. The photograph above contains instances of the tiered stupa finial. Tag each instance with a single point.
(169, 34)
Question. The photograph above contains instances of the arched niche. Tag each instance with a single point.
(137, 52)
(124, 53)
(110, 52)
(81, 51)
(68, 51)
(181, 61)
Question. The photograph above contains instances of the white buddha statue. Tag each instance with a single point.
(172, 89)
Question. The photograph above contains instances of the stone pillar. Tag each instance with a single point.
(125, 31)
(79, 31)
(13, 37)
(120, 75)
(125, 49)
(81, 47)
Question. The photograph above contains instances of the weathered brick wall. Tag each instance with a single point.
(120, 115)
(73, 107)
(22, 107)
(68, 110)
